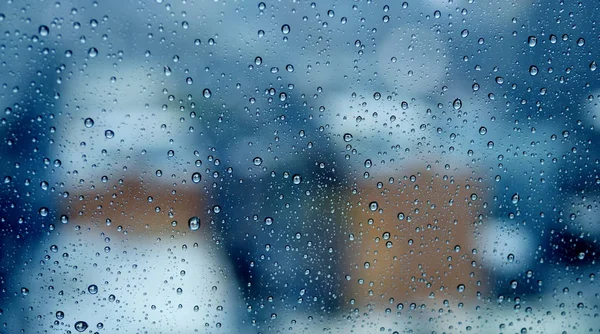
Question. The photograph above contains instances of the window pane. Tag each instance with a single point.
(293, 166)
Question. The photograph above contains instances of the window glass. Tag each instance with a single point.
(291, 166)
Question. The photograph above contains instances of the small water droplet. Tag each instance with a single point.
(109, 134)
(81, 326)
(348, 137)
(92, 52)
(194, 223)
(43, 30)
(167, 70)
(93, 289)
(297, 179)
(457, 104)
(285, 29)
(482, 130)
(207, 93)
(257, 161)
(88, 122)
(532, 41)
(196, 177)
(533, 70)
(373, 206)
(515, 198)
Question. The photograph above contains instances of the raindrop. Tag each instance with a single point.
(109, 134)
(194, 223)
(60, 315)
(533, 70)
(93, 289)
(92, 52)
(532, 41)
(482, 130)
(515, 198)
(457, 104)
(207, 93)
(196, 177)
(373, 206)
(285, 29)
(460, 288)
(167, 70)
(510, 258)
(347, 137)
(268, 221)
(81, 326)
(377, 96)
(297, 178)
(257, 161)
(88, 122)
(43, 30)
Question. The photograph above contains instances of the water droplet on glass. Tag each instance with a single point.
(109, 134)
(510, 258)
(580, 42)
(92, 52)
(194, 223)
(268, 221)
(533, 70)
(482, 130)
(377, 96)
(167, 70)
(289, 68)
(457, 104)
(285, 29)
(81, 326)
(515, 198)
(189, 80)
(88, 122)
(60, 315)
(347, 137)
(297, 179)
(460, 288)
(373, 206)
(43, 30)
(207, 93)
(93, 289)
(196, 177)
(532, 41)
(257, 161)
